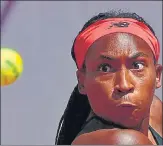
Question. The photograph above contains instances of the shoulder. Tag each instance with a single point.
(156, 115)
(112, 137)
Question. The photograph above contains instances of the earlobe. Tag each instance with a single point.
(81, 76)
(159, 69)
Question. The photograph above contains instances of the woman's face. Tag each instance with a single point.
(120, 78)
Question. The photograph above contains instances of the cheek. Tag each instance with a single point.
(99, 87)
(144, 89)
(147, 83)
(99, 92)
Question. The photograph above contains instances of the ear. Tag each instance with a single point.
(159, 69)
(81, 77)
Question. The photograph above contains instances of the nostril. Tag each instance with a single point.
(131, 90)
(124, 91)
(119, 91)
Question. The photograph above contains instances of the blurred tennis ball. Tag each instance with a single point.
(11, 66)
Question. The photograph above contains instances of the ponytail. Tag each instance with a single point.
(74, 116)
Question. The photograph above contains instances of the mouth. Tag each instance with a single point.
(126, 104)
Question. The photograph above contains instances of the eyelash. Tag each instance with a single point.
(139, 62)
(104, 64)
(111, 69)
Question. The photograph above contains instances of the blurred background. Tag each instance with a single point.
(43, 33)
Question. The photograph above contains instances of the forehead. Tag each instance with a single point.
(118, 44)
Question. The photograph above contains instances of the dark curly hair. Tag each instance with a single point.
(78, 107)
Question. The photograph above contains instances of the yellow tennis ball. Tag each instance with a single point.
(11, 66)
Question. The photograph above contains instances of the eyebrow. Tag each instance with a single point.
(134, 56)
(107, 57)
(138, 54)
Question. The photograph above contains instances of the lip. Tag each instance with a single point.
(126, 104)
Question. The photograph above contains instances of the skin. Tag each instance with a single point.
(120, 69)
(112, 137)
(156, 115)
(155, 121)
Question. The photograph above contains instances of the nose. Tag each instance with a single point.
(123, 82)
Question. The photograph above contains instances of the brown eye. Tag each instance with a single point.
(105, 68)
(138, 65)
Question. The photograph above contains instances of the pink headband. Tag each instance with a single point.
(107, 26)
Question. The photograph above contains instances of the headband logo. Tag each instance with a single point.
(119, 24)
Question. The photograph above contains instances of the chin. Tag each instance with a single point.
(131, 122)
(130, 119)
